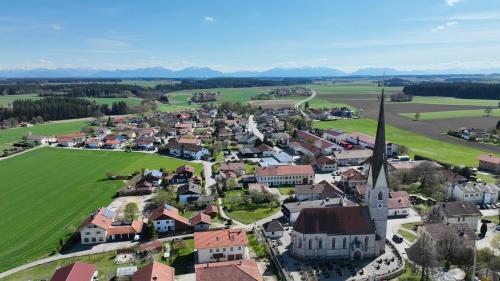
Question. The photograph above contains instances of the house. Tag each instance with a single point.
(221, 245)
(101, 132)
(237, 168)
(289, 174)
(200, 222)
(411, 165)
(25, 125)
(241, 270)
(265, 150)
(167, 219)
(100, 227)
(155, 271)
(304, 148)
(174, 148)
(188, 192)
(154, 176)
(457, 212)
(78, 271)
(398, 204)
(319, 191)
(212, 211)
(145, 143)
(183, 174)
(489, 162)
(190, 141)
(451, 177)
(38, 140)
(195, 152)
(94, 143)
(475, 193)
(335, 136)
(326, 147)
(273, 229)
(113, 143)
(351, 178)
(352, 157)
(326, 164)
(292, 210)
(367, 141)
(258, 187)
(440, 231)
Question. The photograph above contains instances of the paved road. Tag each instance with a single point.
(297, 105)
(207, 171)
(252, 127)
(392, 228)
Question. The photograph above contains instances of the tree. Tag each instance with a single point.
(487, 111)
(306, 105)
(131, 210)
(423, 253)
(484, 229)
(417, 116)
(449, 243)
(162, 197)
(464, 258)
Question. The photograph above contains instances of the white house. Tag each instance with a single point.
(195, 152)
(167, 219)
(273, 229)
(286, 174)
(476, 193)
(221, 245)
(188, 192)
(457, 212)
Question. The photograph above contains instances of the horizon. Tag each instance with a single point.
(431, 35)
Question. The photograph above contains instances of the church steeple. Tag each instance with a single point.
(379, 158)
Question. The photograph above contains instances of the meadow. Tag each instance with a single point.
(417, 144)
(6, 100)
(454, 101)
(46, 193)
(451, 114)
(352, 88)
(9, 136)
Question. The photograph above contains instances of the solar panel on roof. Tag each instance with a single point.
(108, 213)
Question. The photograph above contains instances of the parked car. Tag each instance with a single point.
(497, 228)
(397, 238)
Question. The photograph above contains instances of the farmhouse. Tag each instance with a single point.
(440, 231)
(335, 136)
(326, 164)
(351, 178)
(155, 271)
(398, 204)
(326, 147)
(319, 191)
(490, 163)
(100, 227)
(200, 222)
(457, 212)
(352, 157)
(75, 272)
(167, 219)
(183, 174)
(367, 141)
(188, 192)
(291, 174)
(242, 270)
(221, 245)
(38, 140)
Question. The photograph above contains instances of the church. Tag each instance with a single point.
(354, 232)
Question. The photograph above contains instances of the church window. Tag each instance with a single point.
(380, 195)
(366, 243)
(333, 243)
(310, 244)
(300, 243)
(344, 243)
(320, 243)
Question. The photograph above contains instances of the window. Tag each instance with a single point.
(344, 243)
(239, 247)
(217, 250)
(333, 243)
(86, 240)
(366, 243)
(380, 197)
(310, 244)
(300, 243)
(211, 251)
(223, 249)
(320, 243)
(231, 249)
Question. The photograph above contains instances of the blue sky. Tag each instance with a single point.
(250, 35)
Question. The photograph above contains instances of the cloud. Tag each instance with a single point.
(209, 19)
(444, 26)
(451, 2)
(56, 26)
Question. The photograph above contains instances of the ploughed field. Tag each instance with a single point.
(46, 193)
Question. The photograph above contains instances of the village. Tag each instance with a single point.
(275, 199)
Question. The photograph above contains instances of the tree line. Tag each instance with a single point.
(462, 90)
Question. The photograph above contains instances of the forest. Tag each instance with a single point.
(462, 90)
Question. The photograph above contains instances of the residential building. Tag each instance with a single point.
(352, 157)
(335, 136)
(155, 271)
(490, 163)
(367, 141)
(398, 204)
(457, 212)
(326, 147)
(319, 191)
(221, 245)
(351, 178)
(167, 219)
(289, 174)
(439, 232)
(241, 270)
(78, 271)
(258, 187)
(476, 193)
(273, 229)
(200, 222)
(326, 164)
(188, 192)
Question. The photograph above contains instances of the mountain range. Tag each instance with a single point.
(206, 72)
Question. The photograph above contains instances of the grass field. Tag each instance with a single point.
(13, 135)
(6, 100)
(47, 192)
(147, 83)
(417, 144)
(453, 101)
(451, 114)
(409, 236)
(110, 101)
(352, 88)
(251, 216)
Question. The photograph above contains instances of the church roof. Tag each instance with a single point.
(379, 158)
(336, 220)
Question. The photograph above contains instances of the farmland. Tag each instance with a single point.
(110, 101)
(13, 135)
(454, 101)
(451, 114)
(8, 99)
(47, 192)
(418, 144)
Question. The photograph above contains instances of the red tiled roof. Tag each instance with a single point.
(190, 141)
(220, 238)
(438, 230)
(324, 160)
(241, 270)
(398, 203)
(170, 212)
(335, 220)
(211, 209)
(232, 166)
(353, 174)
(185, 168)
(134, 228)
(285, 170)
(77, 271)
(155, 271)
(100, 220)
(490, 158)
(201, 217)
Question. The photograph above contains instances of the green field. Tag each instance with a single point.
(454, 101)
(147, 83)
(13, 135)
(47, 192)
(451, 114)
(110, 101)
(417, 144)
(352, 88)
(7, 100)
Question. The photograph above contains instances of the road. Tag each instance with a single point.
(252, 127)
(299, 103)
(392, 228)
(207, 171)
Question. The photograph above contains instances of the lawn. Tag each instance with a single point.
(451, 114)
(494, 219)
(417, 144)
(47, 192)
(285, 190)
(10, 136)
(251, 215)
(182, 256)
(486, 178)
(407, 235)
(257, 246)
(8, 99)
(454, 101)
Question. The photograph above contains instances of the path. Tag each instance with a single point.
(207, 172)
(252, 127)
(300, 102)
(25, 151)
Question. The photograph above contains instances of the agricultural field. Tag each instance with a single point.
(417, 144)
(9, 136)
(454, 101)
(72, 182)
(147, 83)
(353, 88)
(451, 114)
(6, 100)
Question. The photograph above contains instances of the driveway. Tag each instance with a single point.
(252, 127)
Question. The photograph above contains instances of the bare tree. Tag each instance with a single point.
(449, 244)
(424, 254)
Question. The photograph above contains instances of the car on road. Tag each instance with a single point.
(497, 228)
(397, 238)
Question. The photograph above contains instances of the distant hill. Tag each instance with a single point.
(206, 72)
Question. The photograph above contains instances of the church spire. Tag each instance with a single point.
(379, 158)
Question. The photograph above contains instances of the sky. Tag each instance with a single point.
(231, 35)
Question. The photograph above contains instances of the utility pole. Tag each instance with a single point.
(473, 277)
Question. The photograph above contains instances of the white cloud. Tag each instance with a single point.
(209, 19)
(444, 26)
(451, 2)
(56, 26)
